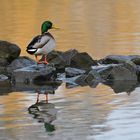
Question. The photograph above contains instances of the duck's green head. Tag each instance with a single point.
(46, 25)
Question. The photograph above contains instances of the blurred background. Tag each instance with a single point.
(100, 27)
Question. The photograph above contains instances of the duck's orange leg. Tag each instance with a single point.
(37, 60)
(45, 59)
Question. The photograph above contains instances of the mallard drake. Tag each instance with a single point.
(42, 44)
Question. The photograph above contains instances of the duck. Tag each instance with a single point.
(42, 44)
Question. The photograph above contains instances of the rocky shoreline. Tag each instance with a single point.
(73, 67)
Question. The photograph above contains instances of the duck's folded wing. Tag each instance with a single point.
(38, 42)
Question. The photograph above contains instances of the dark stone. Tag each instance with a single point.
(103, 71)
(117, 59)
(3, 70)
(93, 75)
(87, 79)
(3, 77)
(81, 80)
(122, 86)
(136, 59)
(5, 86)
(30, 73)
(114, 59)
(123, 72)
(70, 58)
(20, 62)
(61, 59)
(9, 52)
(82, 61)
(72, 72)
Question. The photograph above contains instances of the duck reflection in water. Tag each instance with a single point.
(44, 112)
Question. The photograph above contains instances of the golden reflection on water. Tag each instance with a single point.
(98, 27)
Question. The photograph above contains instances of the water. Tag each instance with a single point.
(97, 27)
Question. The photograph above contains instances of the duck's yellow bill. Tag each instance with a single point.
(53, 27)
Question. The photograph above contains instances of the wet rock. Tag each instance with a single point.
(28, 74)
(114, 59)
(103, 71)
(122, 86)
(82, 61)
(117, 59)
(61, 59)
(87, 80)
(136, 59)
(72, 72)
(71, 58)
(3, 77)
(93, 75)
(5, 86)
(20, 62)
(3, 70)
(8, 53)
(123, 72)
(81, 80)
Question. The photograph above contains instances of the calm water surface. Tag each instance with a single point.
(100, 28)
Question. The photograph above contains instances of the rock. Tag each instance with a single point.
(5, 86)
(103, 71)
(61, 59)
(20, 62)
(122, 72)
(117, 59)
(82, 61)
(87, 80)
(3, 70)
(72, 72)
(71, 58)
(122, 86)
(81, 80)
(28, 74)
(135, 59)
(114, 59)
(8, 52)
(92, 76)
(3, 77)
